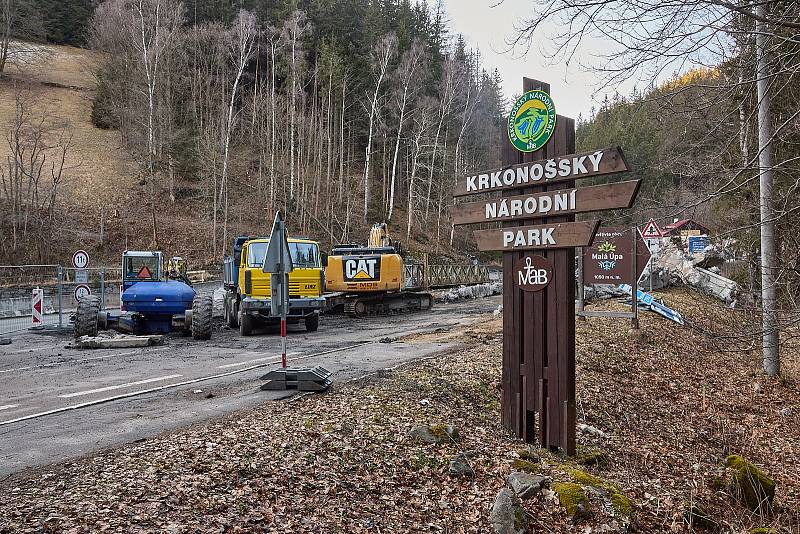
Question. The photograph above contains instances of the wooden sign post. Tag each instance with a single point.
(538, 398)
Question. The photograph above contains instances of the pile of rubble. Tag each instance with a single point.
(673, 266)
(472, 292)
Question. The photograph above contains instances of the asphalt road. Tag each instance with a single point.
(48, 391)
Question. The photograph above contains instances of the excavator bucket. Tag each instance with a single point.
(298, 378)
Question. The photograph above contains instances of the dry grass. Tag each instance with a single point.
(58, 83)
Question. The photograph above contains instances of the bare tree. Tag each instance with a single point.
(155, 24)
(447, 93)
(294, 30)
(423, 120)
(406, 90)
(18, 19)
(241, 39)
(652, 37)
(33, 173)
(382, 55)
(273, 37)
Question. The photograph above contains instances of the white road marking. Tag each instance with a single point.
(8, 406)
(119, 386)
(14, 369)
(103, 357)
(168, 386)
(33, 349)
(257, 360)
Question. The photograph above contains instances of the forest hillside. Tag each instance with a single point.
(180, 128)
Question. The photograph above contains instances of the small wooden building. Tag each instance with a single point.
(685, 228)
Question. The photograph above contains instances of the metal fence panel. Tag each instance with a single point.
(17, 283)
(438, 276)
(103, 282)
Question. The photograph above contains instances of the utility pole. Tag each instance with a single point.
(772, 363)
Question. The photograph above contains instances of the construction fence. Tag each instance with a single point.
(59, 289)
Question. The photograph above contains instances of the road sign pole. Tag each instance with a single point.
(283, 339)
(634, 285)
(60, 297)
(581, 295)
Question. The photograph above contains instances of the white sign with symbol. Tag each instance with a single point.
(651, 230)
(82, 291)
(80, 260)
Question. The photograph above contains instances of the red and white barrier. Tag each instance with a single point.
(37, 303)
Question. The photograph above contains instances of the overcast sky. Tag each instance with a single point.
(487, 28)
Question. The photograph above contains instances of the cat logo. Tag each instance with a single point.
(362, 268)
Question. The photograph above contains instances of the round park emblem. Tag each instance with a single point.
(533, 273)
(532, 121)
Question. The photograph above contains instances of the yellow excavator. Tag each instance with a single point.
(370, 280)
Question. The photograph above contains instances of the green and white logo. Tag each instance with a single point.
(532, 121)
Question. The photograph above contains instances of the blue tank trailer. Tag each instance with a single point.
(150, 303)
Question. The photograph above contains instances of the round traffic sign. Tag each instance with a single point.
(80, 260)
(81, 291)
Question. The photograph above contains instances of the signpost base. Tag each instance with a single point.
(298, 378)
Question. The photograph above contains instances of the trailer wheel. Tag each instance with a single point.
(86, 316)
(245, 324)
(312, 322)
(233, 314)
(202, 308)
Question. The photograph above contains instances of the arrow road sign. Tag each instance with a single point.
(278, 259)
(548, 204)
(558, 169)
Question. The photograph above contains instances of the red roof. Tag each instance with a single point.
(678, 224)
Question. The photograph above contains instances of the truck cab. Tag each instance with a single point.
(247, 287)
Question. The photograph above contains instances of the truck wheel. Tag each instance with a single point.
(312, 322)
(202, 308)
(246, 324)
(86, 316)
(233, 314)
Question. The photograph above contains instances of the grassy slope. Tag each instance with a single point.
(59, 85)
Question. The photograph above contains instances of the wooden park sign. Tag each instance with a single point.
(540, 168)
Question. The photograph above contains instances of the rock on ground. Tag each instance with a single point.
(460, 465)
(442, 433)
(507, 516)
(526, 485)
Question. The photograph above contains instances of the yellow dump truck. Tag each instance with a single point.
(247, 291)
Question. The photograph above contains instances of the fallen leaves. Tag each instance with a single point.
(666, 409)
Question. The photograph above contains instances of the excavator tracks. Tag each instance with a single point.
(387, 303)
